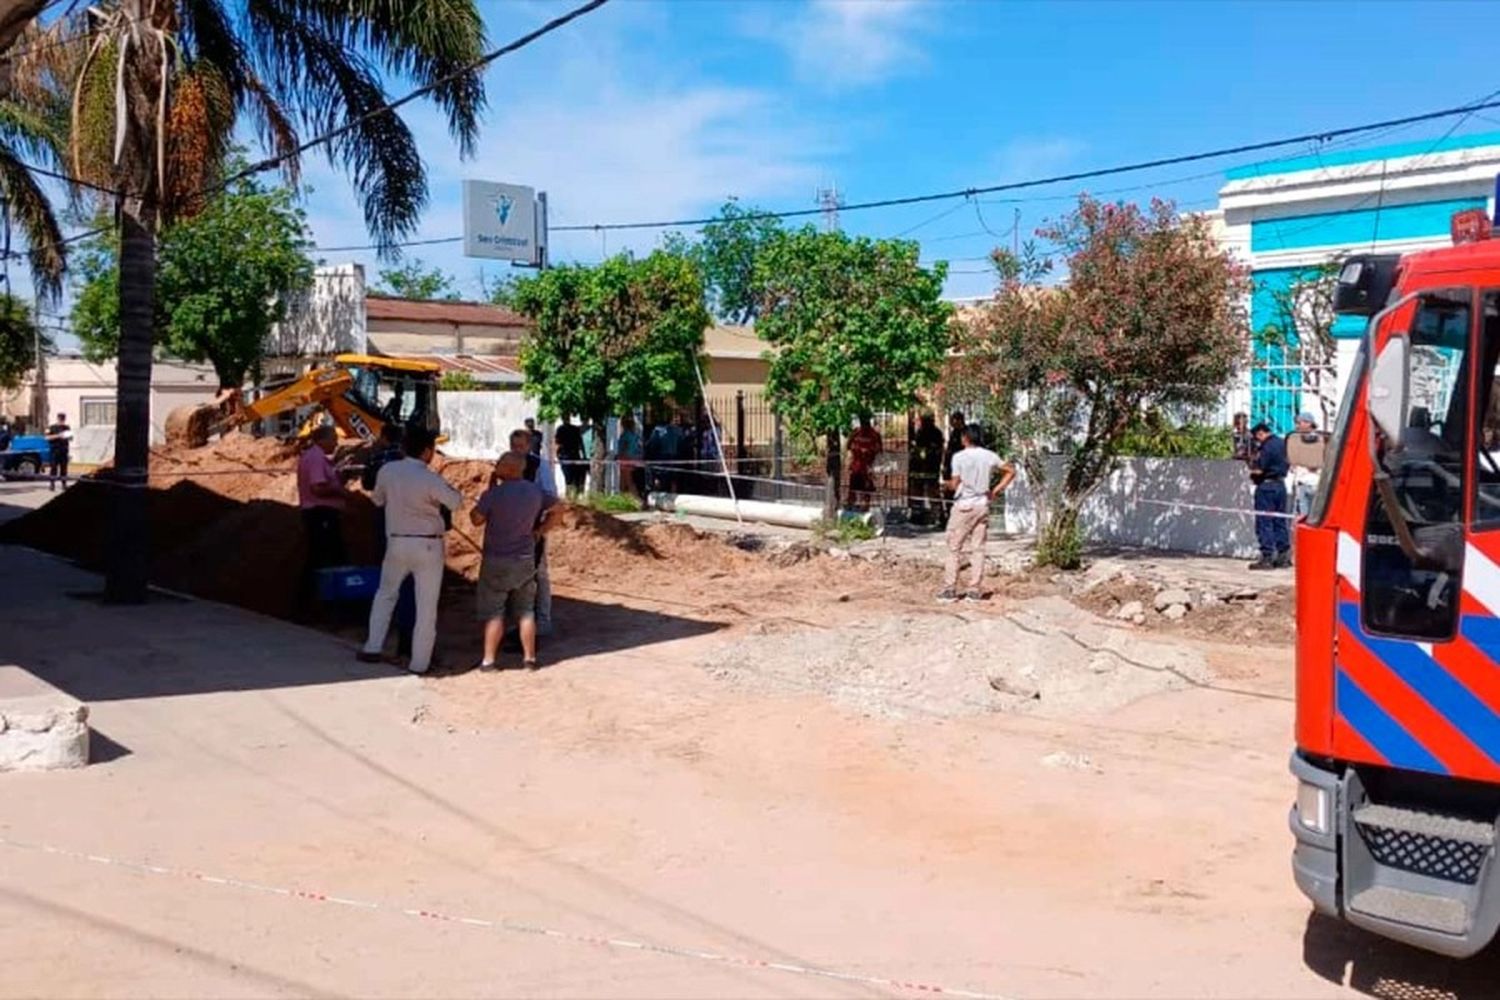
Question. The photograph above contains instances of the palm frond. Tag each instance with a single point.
(32, 211)
(336, 85)
(208, 36)
(422, 41)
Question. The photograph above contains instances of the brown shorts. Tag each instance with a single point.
(507, 589)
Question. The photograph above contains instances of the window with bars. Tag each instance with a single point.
(97, 412)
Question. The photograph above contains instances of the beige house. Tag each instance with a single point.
(412, 328)
(736, 360)
(85, 391)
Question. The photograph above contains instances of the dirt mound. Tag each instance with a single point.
(76, 523)
(1047, 657)
(1232, 614)
(225, 526)
(239, 466)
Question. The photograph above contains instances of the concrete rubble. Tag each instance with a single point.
(41, 728)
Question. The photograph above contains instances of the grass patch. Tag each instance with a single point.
(844, 531)
(613, 503)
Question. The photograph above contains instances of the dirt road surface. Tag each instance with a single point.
(843, 778)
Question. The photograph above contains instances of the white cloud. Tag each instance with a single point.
(1028, 158)
(612, 136)
(850, 43)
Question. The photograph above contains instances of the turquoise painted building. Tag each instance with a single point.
(1288, 218)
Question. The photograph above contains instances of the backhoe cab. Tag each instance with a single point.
(360, 393)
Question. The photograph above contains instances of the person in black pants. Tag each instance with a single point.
(322, 497)
(59, 440)
(569, 441)
(1268, 471)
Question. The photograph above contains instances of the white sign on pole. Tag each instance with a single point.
(500, 222)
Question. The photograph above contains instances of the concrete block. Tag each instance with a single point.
(41, 728)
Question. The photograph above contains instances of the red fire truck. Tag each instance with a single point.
(1398, 609)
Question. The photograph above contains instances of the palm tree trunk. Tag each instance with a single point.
(128, 566)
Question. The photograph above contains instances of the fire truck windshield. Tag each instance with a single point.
(1402, 597)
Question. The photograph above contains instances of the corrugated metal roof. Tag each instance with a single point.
(499, 370)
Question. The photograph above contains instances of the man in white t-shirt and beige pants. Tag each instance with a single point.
(974, 470)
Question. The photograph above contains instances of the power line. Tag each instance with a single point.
(484, 60)
(972, 192)
(387, 108)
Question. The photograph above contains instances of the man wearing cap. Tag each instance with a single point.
(1304, 452)
(1268, 471)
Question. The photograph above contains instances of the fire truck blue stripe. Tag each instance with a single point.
(1444, 692)
(1381, 731)
(1484, 632)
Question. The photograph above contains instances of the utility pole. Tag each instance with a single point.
(830, 201)
(1015, 235)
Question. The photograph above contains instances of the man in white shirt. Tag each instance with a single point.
(974, 470)
(413, 497)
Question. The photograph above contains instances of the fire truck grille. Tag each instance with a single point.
(1425, 854)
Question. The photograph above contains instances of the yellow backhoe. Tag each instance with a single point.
(360, 392)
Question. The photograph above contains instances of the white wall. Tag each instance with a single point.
(1132, 507)
(478, 424)
(327, 319)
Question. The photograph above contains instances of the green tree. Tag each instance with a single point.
(458, 382)
(224, 277)
(854, 325)
(157, 100)
(1151, 318)
(726, 254)
(1300, 333)
(607, 339)
(415, 280)
(21, 341)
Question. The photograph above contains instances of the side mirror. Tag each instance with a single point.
(1390, 387)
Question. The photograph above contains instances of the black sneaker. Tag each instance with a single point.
(947, 595)
(1264, 562)
(973, 597)
(1283, 559)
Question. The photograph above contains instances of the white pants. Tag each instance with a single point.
(421, 558)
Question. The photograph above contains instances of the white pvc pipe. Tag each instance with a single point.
(784, 514)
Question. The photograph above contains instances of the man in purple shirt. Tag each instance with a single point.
(512, 513)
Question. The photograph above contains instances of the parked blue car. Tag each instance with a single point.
(26, 456)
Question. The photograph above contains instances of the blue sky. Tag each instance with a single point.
(650, 109)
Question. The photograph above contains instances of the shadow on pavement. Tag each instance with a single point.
(1377, 967)
(100, 652)
(581, 628)
(102, 749)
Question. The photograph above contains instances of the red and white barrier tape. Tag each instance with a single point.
(1222, 510)
(503, 924)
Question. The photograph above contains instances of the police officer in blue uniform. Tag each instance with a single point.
(1268, 471)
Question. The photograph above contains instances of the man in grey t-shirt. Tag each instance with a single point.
(974, 486)
(511, 512)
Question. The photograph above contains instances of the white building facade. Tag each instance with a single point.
(1286, 218)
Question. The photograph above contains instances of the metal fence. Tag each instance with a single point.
(767, 460)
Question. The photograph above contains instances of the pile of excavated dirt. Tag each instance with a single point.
(1047, 657)
(225, 526)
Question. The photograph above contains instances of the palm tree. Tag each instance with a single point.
(156, 100)
(33, 132)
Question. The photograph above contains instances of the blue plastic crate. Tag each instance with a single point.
(348, 583)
